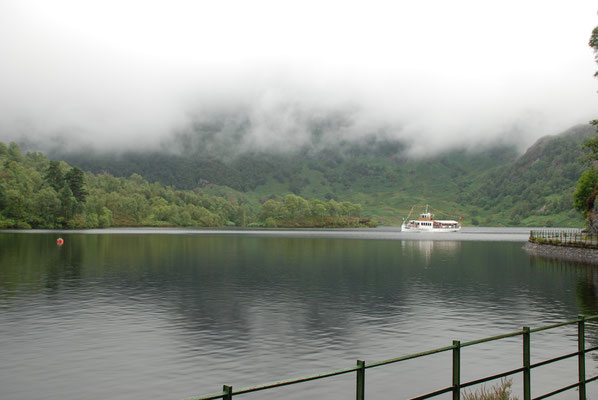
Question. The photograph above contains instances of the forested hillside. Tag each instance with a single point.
(38, 193)
(538, 187)
(489, 186)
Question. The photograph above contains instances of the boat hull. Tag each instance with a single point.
(432, 230)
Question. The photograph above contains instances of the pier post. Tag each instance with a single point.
(228, 392)
(581, 358)
(527, 371)
(360, 380)
(456, 370)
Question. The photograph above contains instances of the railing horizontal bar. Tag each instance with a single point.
(589, 349)
(493, 377)
(221, 395)
(557, 391)
(296, 380)
(212, 396)
(539, 364)
(543, 328)
(433, 394)
(386, 362)
(506, 335)
(409, 357)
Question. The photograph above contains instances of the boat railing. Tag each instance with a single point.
(457, 385)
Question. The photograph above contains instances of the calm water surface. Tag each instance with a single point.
(169, 314)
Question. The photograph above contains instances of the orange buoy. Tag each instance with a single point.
(59, 241)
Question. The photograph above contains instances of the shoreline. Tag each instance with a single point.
(563, 252)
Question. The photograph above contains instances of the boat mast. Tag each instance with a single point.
(408, 215)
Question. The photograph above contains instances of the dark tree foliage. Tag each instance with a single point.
(54, 175)
(593, 43)
(76, 182)
(585, 192)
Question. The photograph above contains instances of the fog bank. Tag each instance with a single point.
(267, 76)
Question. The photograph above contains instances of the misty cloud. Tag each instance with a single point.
(246, 76)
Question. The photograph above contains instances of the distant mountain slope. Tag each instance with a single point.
(348, 165)
(539, 183)
(493, 186)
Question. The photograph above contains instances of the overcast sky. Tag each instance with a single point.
(440, 73)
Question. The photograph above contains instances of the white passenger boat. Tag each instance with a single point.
(427, 223)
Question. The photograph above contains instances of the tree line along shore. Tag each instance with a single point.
(36, 192)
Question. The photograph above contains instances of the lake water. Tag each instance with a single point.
(170, 314)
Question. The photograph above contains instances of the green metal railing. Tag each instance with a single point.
(564, 237)
(360, 368)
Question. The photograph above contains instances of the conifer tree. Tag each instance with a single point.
(54, 176)
(76, 182)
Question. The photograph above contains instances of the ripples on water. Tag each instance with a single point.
(131, 314)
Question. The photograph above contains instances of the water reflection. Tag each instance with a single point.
(587, 291)
(423, 249)
(177, 315)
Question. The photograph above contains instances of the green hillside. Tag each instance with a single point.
(492, 186)
(38, 193)
(537, 188)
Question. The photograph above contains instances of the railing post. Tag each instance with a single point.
(456, 370)
(581, 358)
(228, 392)
(360, 380)
(527, 371)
